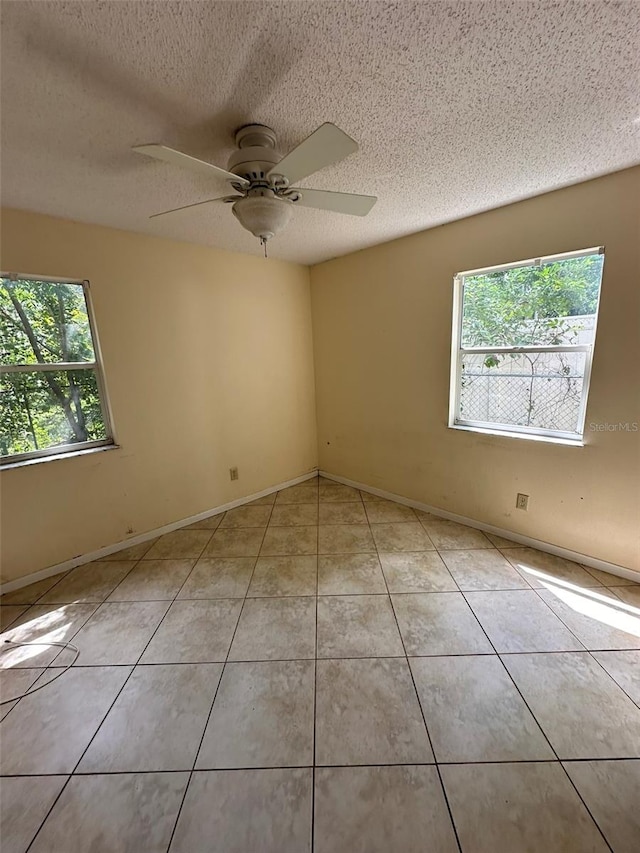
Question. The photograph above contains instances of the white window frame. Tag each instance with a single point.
(96, 365)
(458, 352)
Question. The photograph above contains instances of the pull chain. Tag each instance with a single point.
(263, 242)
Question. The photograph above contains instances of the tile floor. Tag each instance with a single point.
(323, 670)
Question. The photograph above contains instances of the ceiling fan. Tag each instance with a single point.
(262, 180)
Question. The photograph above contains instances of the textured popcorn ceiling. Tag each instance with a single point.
(457, 106)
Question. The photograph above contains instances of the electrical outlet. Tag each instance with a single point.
(233, 473)
(522, 501)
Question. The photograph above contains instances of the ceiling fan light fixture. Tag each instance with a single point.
(263, 215)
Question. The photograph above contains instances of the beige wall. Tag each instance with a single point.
(382, 327)
(209, 363)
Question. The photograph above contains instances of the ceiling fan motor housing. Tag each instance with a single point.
(255, 154)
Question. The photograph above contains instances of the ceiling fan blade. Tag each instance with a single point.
(326, 145)
(196, 204)
(350, 203)
(186, 161)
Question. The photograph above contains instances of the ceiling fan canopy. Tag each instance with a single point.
(264, 196)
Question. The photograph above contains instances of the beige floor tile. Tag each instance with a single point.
(342, 513)
(487, 569)
(24, 805)
(403, 536)
(598, 618)
(345, 539)
(417, 571)
(611, 791)
(381, 809)
(608, 579)
(630, 595)
(519, 808)
(624, 668)
(9, 613)
(194, 631)
(581, 709)
(519, 621)
(294, 515)
(354, 626)
(289, 541)
(262, 717)
(539, 568)
(367, 712)
(279, 576)
(121, 812)
(331, 491)
(247, 516)
(275, 629)
(278, 801)
(245, 542)
(221, 577)
(54, 725)
(369, 497)
(90, 583)
(439, 623)
(303, 493)
(157, 722)
(474, 711)
(179, 545)
(153, 580)
(43, 624)
(385, 512)
(133, 552)
(501, 542)
(31, 593)
(350, 574)
(211, 523)
(118, 632)
(13, 683)
(449, 535)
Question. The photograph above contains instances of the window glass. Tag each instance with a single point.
(51, 384)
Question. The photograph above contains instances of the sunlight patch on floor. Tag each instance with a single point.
(49, 627)
(589, 602)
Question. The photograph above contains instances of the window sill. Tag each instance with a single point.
(548, 439)
(54, 457)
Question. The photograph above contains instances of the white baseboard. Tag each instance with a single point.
(585, 559)
(18, 583)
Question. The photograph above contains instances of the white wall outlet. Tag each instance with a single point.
(522, 501)
(233, 473)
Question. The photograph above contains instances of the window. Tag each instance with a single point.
(52, 391)
(523, 337)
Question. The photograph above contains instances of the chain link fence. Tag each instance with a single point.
(541, 390)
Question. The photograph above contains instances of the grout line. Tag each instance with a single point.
(315, 691)
(551, 761)
(79, 601)
(637, 704)
(333, 657)
(215, 695)
(424, 720)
